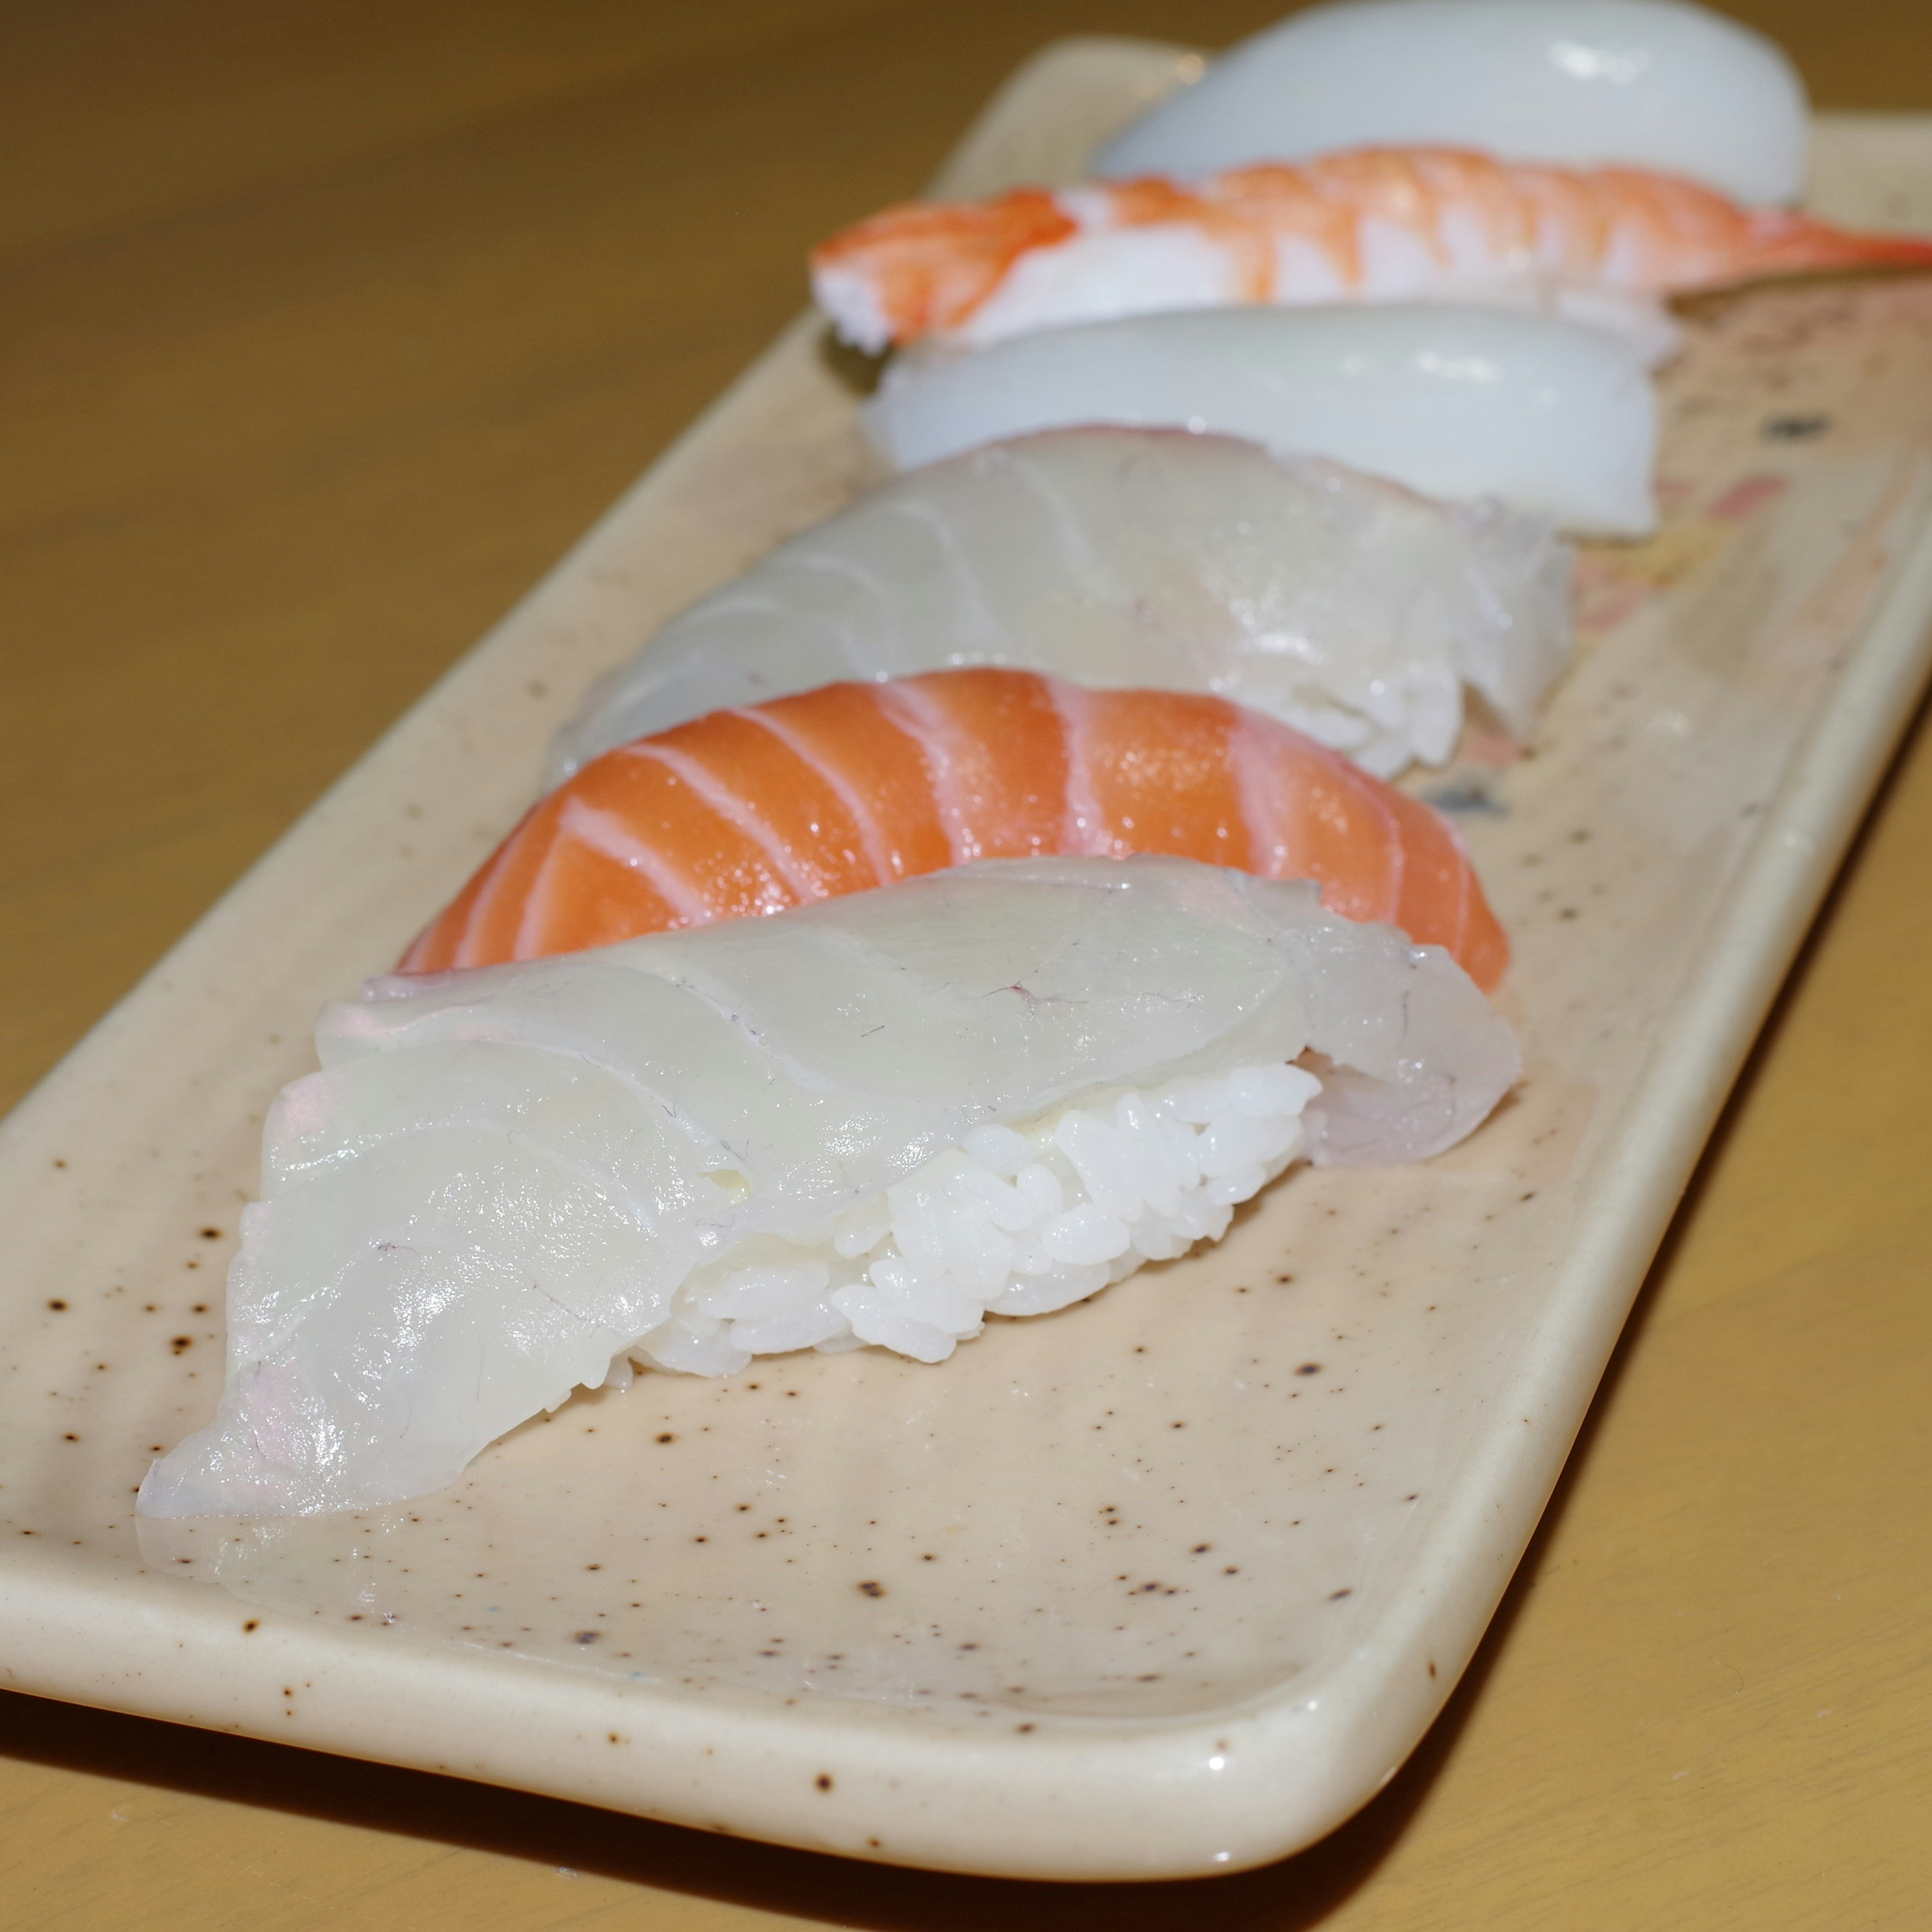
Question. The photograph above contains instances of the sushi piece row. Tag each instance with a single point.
(995, 886)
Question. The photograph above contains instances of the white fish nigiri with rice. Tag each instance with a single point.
(875, 1120)
(1652, 84)
(1550, 417)
(1343, 605)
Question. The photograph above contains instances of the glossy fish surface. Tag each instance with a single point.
(1347, 606)
(500, 1180)
(758, 809)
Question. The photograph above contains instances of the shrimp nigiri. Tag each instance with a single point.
(1605, 244)
(854, 786)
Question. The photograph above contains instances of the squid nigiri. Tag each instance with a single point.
(1648, 83)
(1344, 606)
(1548, 416)
(854, 786)
(1605, 245)
(874, 1121)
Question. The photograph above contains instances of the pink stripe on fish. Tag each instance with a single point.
(878, 848)
(734, 810)
(1258, 777)
(469, 951)
(608, 835)
(928, 725)
(1085, 832)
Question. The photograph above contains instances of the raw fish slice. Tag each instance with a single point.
(1649, 83)
(1418, 224)
(1345, 606)
(857, 785)
(1550, 417)
(777, 1133)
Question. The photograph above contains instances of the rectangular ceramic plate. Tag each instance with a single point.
(1170, 1582)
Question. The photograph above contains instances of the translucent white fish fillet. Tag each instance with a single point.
(1345, 606)
(502, 1179)
(1548, 416)
(1650, 83)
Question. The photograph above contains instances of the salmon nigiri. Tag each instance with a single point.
(852, 787)
(1380, 224)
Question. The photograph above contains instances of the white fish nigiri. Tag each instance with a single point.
(1343, 605)
(872, 1121)
(1649, 83)
(1548, 416)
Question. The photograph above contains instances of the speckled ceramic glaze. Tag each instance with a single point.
(1169, 1582)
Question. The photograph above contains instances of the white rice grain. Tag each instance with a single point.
(1015, 1220)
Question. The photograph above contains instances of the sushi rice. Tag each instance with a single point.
(1013, 1221)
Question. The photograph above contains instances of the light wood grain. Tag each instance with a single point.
(329, 326)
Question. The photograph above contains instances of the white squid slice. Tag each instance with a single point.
(1649, 83)
(1551, 417)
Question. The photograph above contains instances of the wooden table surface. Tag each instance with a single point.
(325, 326)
